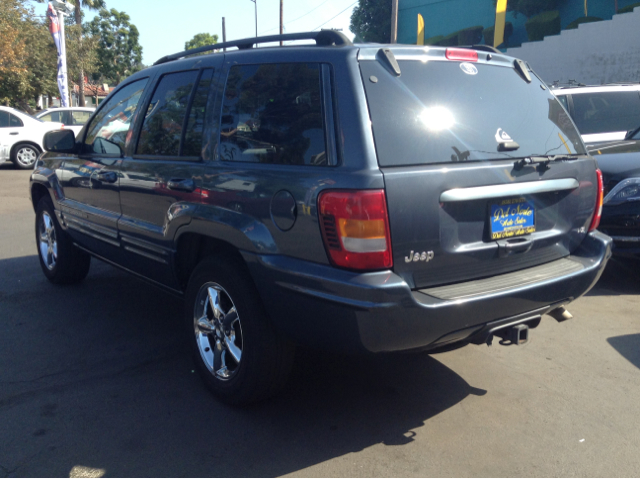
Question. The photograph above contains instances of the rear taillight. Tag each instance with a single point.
(595, 222)
(355, 228)
(462, 54)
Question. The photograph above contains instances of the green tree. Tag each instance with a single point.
(13, 71)
(41, 63)
(28, 59)
(78, 14)
(371, 21)
(119, 53)
(82, 56)
(201, 40)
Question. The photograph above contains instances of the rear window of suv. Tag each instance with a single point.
(606, 111)
(445, 111)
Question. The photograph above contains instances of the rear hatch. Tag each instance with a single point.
(454, 141)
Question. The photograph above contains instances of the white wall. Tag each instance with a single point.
(594, 53)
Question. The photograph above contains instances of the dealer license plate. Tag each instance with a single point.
(512, 217)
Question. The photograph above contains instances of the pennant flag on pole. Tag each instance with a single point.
(420, 30)
(54, 28)
(501, 15)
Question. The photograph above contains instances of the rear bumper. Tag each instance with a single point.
(330, 308)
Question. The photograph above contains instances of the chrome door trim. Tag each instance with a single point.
(511, 189)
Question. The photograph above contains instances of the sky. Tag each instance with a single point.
(165, 25)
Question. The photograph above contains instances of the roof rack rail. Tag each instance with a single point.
(322, 38)
(482, 48)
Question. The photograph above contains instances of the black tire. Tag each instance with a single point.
(24, 156)
(265, 357)
(69, 264)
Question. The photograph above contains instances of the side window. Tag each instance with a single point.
(15, 121)
(272, 113)
(53, 116)
(564, 100)
(80, 117)
(109, 129)
(48, 117)
(195, 127)
(4, 119)
(162, 129)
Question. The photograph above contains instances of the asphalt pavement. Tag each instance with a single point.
(95, 380)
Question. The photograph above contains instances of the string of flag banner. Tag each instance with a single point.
(54, 28)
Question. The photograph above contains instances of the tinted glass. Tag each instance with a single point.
(15, 121)
(162, 128)
(564, 100)
(109, 130)
(438, 112)
(606, 112)
(273, 114)
(4, 119)
(80, 117)
(193, 137)
(51, 117)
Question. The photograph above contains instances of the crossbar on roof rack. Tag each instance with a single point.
(322, 38)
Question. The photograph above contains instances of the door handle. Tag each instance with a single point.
(14, 133)
(513, 245)
(107, 176)
(181, 185)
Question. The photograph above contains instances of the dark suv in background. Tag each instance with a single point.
(353, 197)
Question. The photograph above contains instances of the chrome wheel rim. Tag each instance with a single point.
(26, 156)
(218, 331)
(48, 244)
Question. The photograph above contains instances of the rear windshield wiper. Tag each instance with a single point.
(545, 160)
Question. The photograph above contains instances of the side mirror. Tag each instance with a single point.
(60, 141)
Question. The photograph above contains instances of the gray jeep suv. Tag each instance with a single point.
(353, 197)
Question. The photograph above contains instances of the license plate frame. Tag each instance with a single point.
(511, 217)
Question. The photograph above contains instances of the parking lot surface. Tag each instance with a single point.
(96, 381)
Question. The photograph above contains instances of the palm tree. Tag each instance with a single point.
(91, 5)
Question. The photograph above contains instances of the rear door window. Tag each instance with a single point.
(192, 145)
(163, 124)
(53, 116)
(15, 121)
(80, 117)
(606, 112)
(446, 111)
(272, 113)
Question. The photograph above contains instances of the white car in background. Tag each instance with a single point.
(73, 118)
(604, 112)
(21, 137)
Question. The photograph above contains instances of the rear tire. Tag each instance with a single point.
(61, 261)
(237, 351)
(24, 156)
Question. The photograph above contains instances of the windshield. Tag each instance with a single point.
(444, 111)
(606, 112)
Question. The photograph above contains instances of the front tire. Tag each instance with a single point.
(237, 351)
(60, 260)
(24, 156)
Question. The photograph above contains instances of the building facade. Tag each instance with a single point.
(442, 18)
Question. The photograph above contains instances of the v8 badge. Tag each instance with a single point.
(415, 257)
